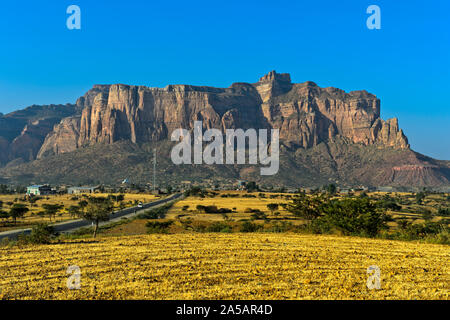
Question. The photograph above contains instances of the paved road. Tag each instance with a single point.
(72, 225)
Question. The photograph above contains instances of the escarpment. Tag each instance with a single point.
(326, 134)
(305, 114)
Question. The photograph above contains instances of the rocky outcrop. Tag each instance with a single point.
(390, 135)
(305, 113)
(63, 138)
(23, 132)
(28, 143)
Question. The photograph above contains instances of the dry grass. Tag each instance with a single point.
(226, 266)
(238, 204)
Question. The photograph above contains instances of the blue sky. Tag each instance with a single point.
(155, 43)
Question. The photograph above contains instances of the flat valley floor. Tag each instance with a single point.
(226, 266)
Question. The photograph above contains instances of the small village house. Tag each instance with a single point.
(80, 190)
(39, 190)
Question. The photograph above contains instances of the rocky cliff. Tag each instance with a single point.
(23, 132)
(327, 135)
(305, 114)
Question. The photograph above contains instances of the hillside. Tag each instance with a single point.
(338, 162)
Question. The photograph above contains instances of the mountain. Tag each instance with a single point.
(305, 114)
(23, 132)
(326, 135)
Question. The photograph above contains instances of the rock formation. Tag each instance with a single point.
(23, 132)
(326, 135)
(305, 114)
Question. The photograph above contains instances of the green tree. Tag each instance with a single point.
(272, 207)
(4, 215)
(363, 194)
(17, 211)
(82, 204)
(420, 196)
(427, 215)
(74, 211)
(97, 210)
(248, 226)
(251, 186)
(403, 223)
(51, 209)
(306, 207)
(354, 216)
(387, 202)
(331, 189)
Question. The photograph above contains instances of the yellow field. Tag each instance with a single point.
(65, 200)
(226, 266)
(240, 203)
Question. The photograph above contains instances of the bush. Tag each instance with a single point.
(258, 214)
(213, 209)
(196, 191)
(158, 226)
(282, 226)
(219, 227)
(272, 207)
(229, 195)
(433, 232)
(427, 215)
(331, 189)
(420, 196)
(156, 213)
(248, 226)
(187, 223)
(151, 214)
(199, 228)
(388, 203)
(41, 233)
(417, 231)
(6, 242)
(444, 211)
(320, 226)
(403, 223)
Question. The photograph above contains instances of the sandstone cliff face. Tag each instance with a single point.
(305, 114)
(23, 132)
(28, 143)
(63, 138)
(360, 148)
